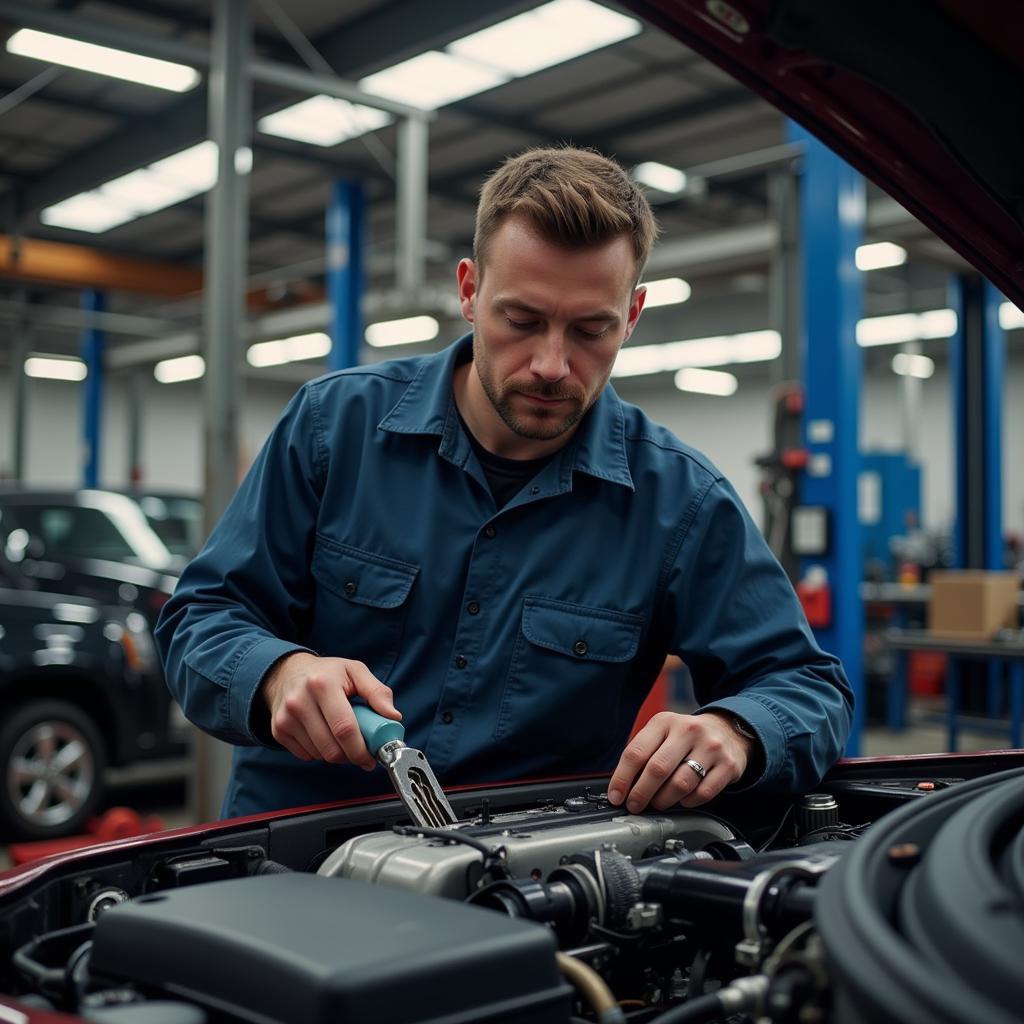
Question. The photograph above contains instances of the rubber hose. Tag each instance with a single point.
(592, 988)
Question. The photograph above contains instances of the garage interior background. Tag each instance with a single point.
(633, 92)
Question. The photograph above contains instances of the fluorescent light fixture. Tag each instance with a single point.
(548, 35)
(324, 121)
(1010, 317)
(877, 255)
(402, 332)
(908, 364)
(666, 292)
(194, 169)
(751, 347)
(137, 193)
(55, 368)
(141, 192)
(289, 350)
(660, 177)
(706, 382)
(172, 371)
(88, 211)
(102, 60)
(432, 79)
(903, 327)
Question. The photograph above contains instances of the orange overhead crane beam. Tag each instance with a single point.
(78, 266)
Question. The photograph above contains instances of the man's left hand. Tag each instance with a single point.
(653, 769)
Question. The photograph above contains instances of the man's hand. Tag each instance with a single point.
(658, 755)
(310, 713)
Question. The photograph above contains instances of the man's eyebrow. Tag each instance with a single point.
(502, 302)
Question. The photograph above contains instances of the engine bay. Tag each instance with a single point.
(545, 903)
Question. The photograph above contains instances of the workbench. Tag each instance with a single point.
(1004, 651)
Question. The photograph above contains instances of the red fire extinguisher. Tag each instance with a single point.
(815, 595)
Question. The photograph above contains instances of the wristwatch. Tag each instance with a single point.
(741, 727)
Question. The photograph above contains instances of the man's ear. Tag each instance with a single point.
(637, 304)
(466, 276)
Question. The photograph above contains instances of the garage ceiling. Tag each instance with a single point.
(642, 99)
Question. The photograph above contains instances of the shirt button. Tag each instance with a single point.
(473, 607)
(535, 490)
(580, 647)
(350, 589)
(460, 662)
(447, 718)
(489, 531)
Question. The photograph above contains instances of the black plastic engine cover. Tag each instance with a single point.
(303, 948)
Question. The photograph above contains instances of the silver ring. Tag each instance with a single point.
(697, 767)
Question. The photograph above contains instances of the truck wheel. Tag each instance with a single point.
(51, 770)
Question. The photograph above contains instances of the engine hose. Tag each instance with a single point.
(740, 996)
(592, 989)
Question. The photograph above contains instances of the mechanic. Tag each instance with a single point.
(491, 541)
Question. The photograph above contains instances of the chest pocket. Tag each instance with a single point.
(361, 604)
(569, 665)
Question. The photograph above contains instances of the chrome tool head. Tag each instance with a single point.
(416, 784)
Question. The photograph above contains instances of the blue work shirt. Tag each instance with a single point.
(519, 642)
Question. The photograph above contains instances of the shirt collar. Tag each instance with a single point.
(427, 406)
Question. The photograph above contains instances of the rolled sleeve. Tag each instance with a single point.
(741, 631)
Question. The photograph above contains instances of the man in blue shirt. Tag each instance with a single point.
(490, 544)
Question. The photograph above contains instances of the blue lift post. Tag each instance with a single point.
(93, 345)
(345, 271)
(977, 364)
(832, 225)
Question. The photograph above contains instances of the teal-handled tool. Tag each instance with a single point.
(414, 782)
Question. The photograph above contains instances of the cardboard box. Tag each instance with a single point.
(972, 604)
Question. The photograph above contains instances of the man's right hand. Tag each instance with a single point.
(310, 713)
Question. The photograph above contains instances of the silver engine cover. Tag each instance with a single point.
(535, 842)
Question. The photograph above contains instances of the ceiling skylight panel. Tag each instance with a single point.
(193, 169)
(432, 79)
(88, 211)
(545, 36)
(324, 121)
(142, 192)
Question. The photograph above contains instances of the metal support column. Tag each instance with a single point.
(832, 208)
(20, 348)
(413, 139)
(345, 272)
(230, 118)
(93, 344)
(136, 403)
(784, 296)
(977, 367)
(912, 394)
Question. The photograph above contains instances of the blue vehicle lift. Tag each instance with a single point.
(832, 207)
(93, 345)
(345, 272)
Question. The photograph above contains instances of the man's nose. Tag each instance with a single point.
(550, 356)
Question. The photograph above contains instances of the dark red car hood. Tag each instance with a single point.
(924, 97)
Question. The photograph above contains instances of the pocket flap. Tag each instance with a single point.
(580, 632)
(361, 576)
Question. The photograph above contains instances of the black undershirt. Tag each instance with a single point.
(506, 477)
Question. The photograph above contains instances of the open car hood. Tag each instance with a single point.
(924, 97)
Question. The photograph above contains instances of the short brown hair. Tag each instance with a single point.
(574, 197)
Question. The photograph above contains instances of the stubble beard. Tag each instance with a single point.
(544, 424)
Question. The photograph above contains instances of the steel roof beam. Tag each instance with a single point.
(366, 44)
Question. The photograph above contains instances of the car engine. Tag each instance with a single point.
(547, 904)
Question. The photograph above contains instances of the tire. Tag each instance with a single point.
(52, 758)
